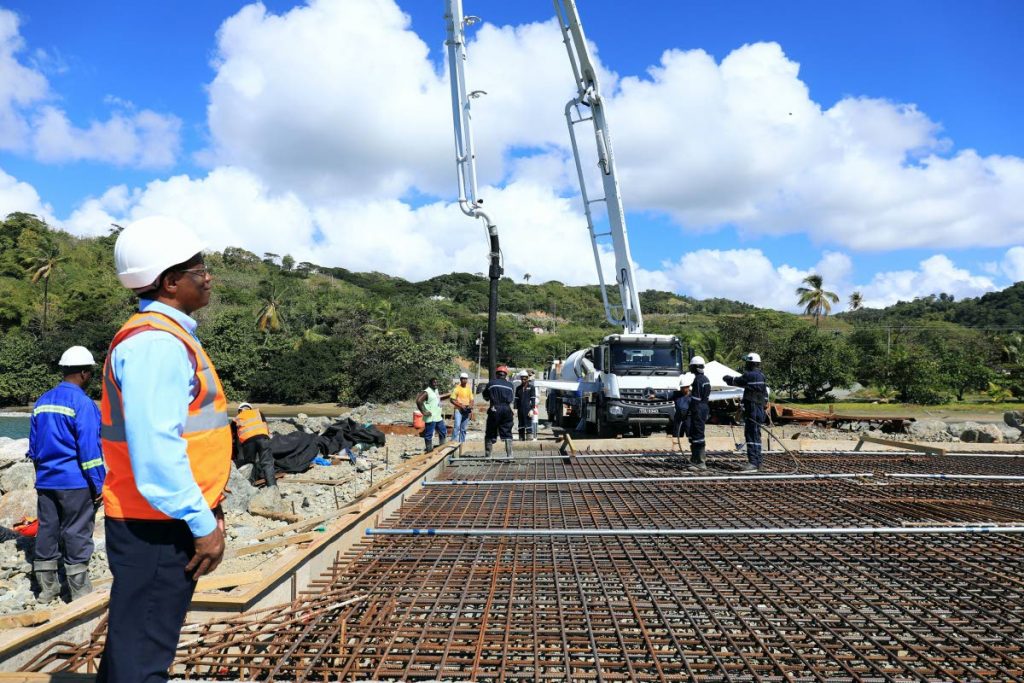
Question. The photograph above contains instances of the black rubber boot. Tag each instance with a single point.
(488, 447)
(508, 448)
(49, 582)
(698, 458)
(78, 580)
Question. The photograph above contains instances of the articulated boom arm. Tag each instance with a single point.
(465, 159)
(588, 106)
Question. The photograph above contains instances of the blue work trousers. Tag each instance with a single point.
(148, 599)
(428, 435)
(754, 417)
(66, 520)
(461, 422)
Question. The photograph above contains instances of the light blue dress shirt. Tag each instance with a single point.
(157, 383)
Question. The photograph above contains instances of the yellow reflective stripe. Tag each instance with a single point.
(89, 464)
(60, 410)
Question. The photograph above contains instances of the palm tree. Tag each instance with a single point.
(384, 317)
(856, 301)
(526, 278)
(269, 319)
(43, 266)
(816, 300)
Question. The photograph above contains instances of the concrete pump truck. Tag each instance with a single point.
(624, 383)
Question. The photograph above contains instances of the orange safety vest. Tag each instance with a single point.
(207, 432)
(250, 423)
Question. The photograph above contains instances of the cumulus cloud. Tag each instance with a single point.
(31, 124)
(935, 275)
(1013, 264)
(16, 195)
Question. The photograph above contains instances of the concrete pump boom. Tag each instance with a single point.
(465, 160)
(588, 105)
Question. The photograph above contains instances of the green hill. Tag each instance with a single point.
(285, 332)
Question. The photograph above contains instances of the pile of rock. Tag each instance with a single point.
(17, 482)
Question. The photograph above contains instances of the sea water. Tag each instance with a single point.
(14, 426)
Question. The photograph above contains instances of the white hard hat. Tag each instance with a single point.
(244, 406)
(524, 373)
(697, 360)
(464, 375)
(752, 358)
(686, 380)
(148, 247)
(75, 357)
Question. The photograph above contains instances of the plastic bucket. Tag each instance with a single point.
(417, 420)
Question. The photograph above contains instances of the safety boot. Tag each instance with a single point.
(488, 447)
(749, 467)
(78, 580)
(697, 459)
(49, 583)
(508, 448)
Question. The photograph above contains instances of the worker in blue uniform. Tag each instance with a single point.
(755, 398)
(64, 445)
(683, 407)
(501, 395)
(699, 413)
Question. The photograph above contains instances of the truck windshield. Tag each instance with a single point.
(645, 357)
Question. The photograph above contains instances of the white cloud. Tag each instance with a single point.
(16, 195)
(1013, 264)
(937, 274)
(742, 142)
(29, 125)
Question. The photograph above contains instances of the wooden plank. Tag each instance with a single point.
(78, 610)
(318, 482)
(270, 545)
(20, 619)
(920, 448)
(275, 514)
(216, 582)
(23, 677)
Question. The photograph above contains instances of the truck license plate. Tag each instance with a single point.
(648, 411)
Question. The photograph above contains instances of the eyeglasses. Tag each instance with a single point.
(203, 272)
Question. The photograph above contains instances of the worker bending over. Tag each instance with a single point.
(64, 446)
(254, 444)
(755, 398)
(500, 393)
(167, 443)
(700, 410)
(526, 406)
(462, 400)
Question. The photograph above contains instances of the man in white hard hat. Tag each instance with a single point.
(526, 405)
(64, 446)
(755, 399)
(462, 399)
(167, 445)
(683, 407)
(254, 445)
(699, 413)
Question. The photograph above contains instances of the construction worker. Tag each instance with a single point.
(429, 403)
(700, 410)
(64, 446)
(462, 399)
(167, 445)
(683, 403)
(500, 393)
(526, 406)
(254, 444)
(755, 398)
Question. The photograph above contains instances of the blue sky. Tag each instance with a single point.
(956, 63)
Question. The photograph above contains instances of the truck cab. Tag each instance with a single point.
(626, 384)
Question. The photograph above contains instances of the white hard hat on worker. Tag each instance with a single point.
(149, 247)
(76, 357)
(697, 360)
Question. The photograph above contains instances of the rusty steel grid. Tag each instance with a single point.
(656, 608)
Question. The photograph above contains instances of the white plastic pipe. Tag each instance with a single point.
(630, 480)
(990, 477)
(784, 531)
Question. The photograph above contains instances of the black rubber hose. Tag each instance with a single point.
(494, 273)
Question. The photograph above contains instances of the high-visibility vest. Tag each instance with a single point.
(207, 432)
(250, 423)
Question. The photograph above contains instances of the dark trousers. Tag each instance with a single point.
(681, 424)
(66, 519)
(754, 417)
(148, 600)
(499, 423)
(257, 451)
(525, 423)
(698, 418)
